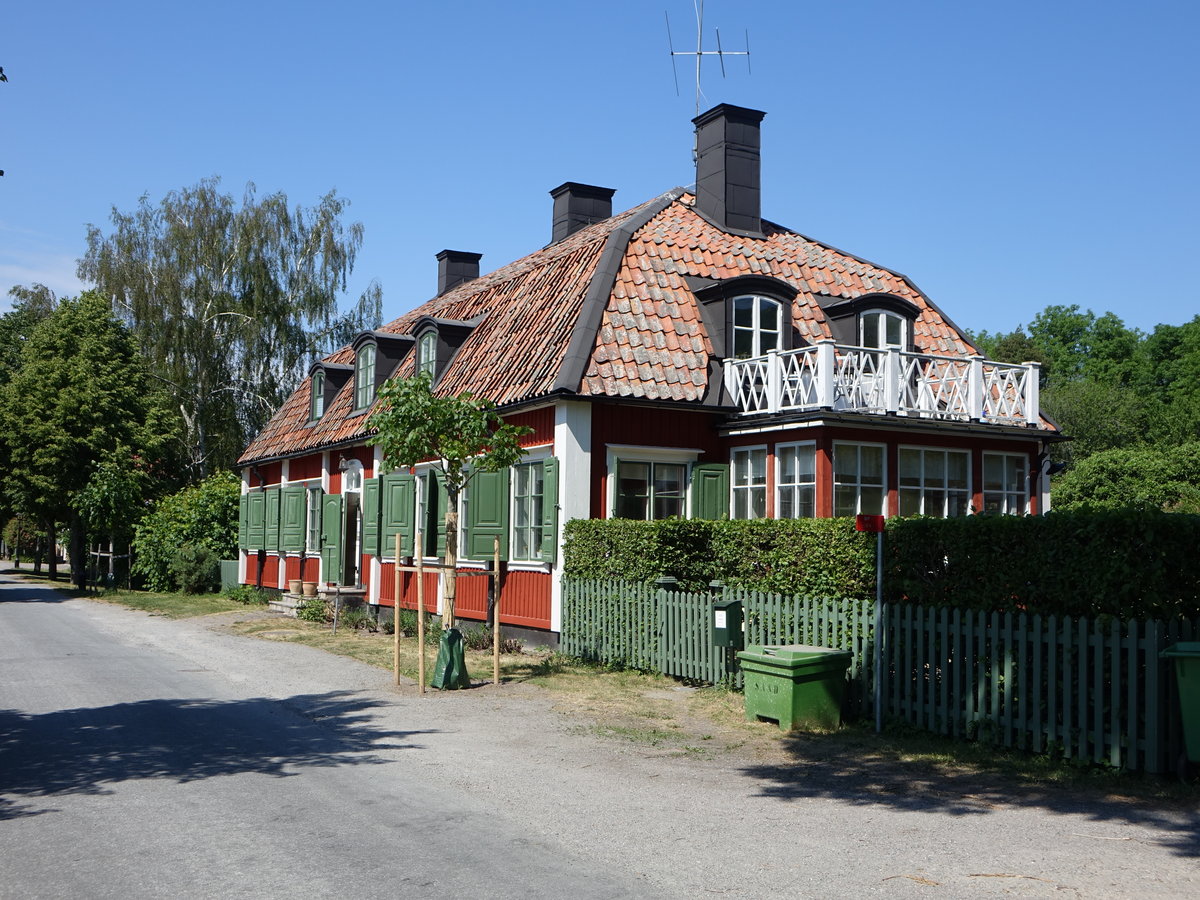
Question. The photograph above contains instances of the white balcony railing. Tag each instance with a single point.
(858, 379)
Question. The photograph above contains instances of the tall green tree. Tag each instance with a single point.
(230, 302)
(80, 394)
(462, 435)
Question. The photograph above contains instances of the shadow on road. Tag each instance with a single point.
(81, 751)
(863, 777)
(13, 590)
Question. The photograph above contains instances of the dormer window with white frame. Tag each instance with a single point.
(879, 329)
(427, 353)
(364, 376)
(757, 325)
(316, 407)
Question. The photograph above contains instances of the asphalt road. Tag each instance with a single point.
(141, 757)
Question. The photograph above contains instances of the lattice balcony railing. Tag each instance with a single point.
(861, 379)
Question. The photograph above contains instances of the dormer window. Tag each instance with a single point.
(427, 353)
(317, 402)
(364, 376)
(882, 330)
(757, 325)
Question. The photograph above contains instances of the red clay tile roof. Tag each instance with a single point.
(650, 341)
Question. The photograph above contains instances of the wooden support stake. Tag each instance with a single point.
(496, 610)
(396, 615)
(420, 612)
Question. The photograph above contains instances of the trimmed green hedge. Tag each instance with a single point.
(826, 557)
(1126, 563)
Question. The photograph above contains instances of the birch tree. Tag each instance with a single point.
(230, 302)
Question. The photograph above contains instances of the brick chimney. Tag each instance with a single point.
(455, 267)
(577, 206)
(728, 160)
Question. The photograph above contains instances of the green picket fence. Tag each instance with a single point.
(642, 626)
(1095, 691)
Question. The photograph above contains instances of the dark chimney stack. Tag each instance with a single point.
(577, 206)
(455, 267)
(728, 163)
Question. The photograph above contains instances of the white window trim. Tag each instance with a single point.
(900, 487)
(636, 453)
(858, 500)
(756, 322)
(884, 345)
(1024, 511)
(533, 455)
(733, 487)
(779, 472)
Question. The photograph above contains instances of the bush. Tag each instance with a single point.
(249, 595)
(480, 637)
(314, 609)
(204, 516)
(195, 569)
(357, 620)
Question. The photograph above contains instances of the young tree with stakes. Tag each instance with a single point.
(463, 435)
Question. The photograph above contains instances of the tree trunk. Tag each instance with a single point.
(52, 552)
(78, 552)
(37, 555)
(451, 560)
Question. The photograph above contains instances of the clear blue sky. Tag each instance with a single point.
(1005, 156)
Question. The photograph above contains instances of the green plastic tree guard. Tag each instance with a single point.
(450, 670)
(796, 685)
(1187, 673)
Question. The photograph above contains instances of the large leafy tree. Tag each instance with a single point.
(229, 301)
(80, 396)
(462, 435)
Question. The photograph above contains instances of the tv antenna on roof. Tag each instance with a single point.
(700, 52)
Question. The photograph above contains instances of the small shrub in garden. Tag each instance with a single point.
(357, 620)
(313, 609)
(196, 569)
(249, 594)
(480, 638)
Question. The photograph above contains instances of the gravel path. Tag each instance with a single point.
(681, 826)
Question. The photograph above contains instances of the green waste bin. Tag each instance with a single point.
(1187, 673)
(795, 685)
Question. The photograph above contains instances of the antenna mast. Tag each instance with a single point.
(700, 52)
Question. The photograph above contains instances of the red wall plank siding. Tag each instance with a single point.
(309, 573)
(650, 427)
(304, 467)
(271, 571)
(542, 423)
(525, 599)
(269, 473)
(251, 568)
(408, 587)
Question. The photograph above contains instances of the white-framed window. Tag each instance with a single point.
(934, 482)
(882, 330)
(317, 407)
(749, 482)
(859, 483)
(427, 353)
(1006, 483)
(528, 497)
(757, 325)
(651, 490)
(312, 541)
(364, 376)
(796, 481)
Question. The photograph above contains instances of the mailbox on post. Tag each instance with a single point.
(727, 624)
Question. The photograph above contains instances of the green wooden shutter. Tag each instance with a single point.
(436, 503)
(243, 521)
(710, 491)
(291, 538)
(331, 537)
(272, 540)
(399, 512)
(487, 514)
(371, 517)
(257, 539)
(549, 510)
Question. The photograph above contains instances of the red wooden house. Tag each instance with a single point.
(685, 357)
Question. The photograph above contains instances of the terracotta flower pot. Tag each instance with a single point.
(310, 589)
(293, 585)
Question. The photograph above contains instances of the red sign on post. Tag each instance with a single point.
(873, 524)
